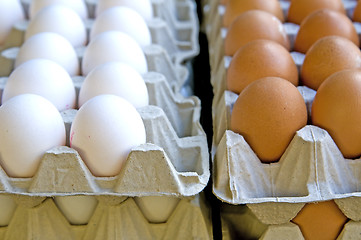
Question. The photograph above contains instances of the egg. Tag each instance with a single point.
(336, 108)
(328, 55)
(260, 58)
(267, 113)
(59, 19)
(356, 16)
(77, 209)
(43, 77)
(115, 78)
(122, 19)
(320, 220)
(10, 13)
(252, 25)
(143, 7)
(30, 125)
(323, 23)
(235, 7)
(50, 46)
(113, 46)
(104, 131)
(77, 5)
(299, 9)
(157, 209)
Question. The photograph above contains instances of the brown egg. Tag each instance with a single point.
(324, 23)
(337, 109)
(328, 55)
(320, 221)
(357, 12)
(257, 59)
(235, 7)
(267, 114)
(299, 9)
(252, 25)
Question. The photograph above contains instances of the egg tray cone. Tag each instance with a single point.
(175, 27)
(312, 169)
(112, 219)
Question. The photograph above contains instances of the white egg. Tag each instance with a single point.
(104, 131)
(59, 19)
(143, 7)
(157, 209)
(50, 46)
(30, 125)
(122, 19)
(113, 46)
(77, 209)
(10, 13)
(77, 5)
(43, 77)
(115, 78)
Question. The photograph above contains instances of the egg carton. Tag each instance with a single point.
(217, 33)
(312, 169)
(175, 26)
(113, 218)
(173, 162)
(158, 60)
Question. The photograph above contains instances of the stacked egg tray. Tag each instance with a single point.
(174, 161)
(259, 201)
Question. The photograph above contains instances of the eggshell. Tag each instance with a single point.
(59, 19)
(10, 13)
(115, 78)
(143, 7)
(43, 77)
(299, 9)
(30, 125)
(337, 109)
(235, 7)
(267, 113)
(252, 25)
(50, 46)
(122, 19)
(328, 55)
(113, 46)
(356, 16)
(320, 220)
(323, 23)
(157, 209)
(257, 59)
(77, 209)
(77, 5)
(104, 131)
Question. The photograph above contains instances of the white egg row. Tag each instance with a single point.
(63, 17)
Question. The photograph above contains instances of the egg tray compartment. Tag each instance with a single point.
(175, 27)
(312, 169)
(158, 60)
(239, 222)
(218, 34)
(113, 218)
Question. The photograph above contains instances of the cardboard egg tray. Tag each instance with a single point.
(216, 33)
(260, 200)
(173, 162)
